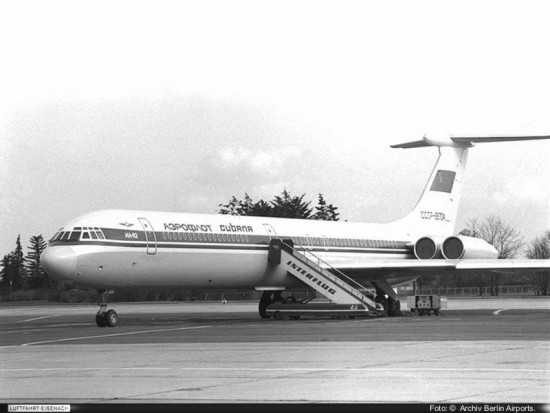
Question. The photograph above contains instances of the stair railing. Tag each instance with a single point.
(350, 285)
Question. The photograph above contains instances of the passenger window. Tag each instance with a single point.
(233, 237)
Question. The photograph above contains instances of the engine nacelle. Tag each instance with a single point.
(427, 248)
(460, 246)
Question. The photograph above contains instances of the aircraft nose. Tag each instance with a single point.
(59, 262)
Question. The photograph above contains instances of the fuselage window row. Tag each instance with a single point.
(183, 236)
(344, 242)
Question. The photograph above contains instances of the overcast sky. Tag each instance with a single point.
(178, 105)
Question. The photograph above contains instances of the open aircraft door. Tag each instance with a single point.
(150, 236)
(270, 231)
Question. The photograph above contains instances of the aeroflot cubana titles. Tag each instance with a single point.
(111, 249)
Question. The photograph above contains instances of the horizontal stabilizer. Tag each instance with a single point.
(465, 141)
(414, 144)
(489, 139)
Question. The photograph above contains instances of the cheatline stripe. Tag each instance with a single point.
(188, 245)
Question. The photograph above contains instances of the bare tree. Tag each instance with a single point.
(540, 249)
(506, 239)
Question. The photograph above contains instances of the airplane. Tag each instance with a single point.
(111, 249)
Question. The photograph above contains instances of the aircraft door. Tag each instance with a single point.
(271, 231)
(150, 236)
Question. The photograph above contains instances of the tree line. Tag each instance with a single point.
(23, 272)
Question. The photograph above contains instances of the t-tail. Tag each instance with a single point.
(436, 211)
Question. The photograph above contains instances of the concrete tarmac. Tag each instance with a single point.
(477, 351)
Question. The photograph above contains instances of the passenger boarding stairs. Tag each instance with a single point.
(321, 276)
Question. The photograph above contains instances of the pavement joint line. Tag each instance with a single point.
(38, 318)
(112, 335)
(262, 369)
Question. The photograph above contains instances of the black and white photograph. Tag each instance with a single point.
(243, 204)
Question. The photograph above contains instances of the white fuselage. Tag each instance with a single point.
(119, 248)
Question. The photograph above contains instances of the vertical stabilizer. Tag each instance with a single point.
(436, 211)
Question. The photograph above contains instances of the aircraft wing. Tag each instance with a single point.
(439, 266)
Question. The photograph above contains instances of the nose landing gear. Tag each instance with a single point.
(104, 317)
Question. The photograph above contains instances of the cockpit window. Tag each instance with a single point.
(85, 233)
(75, 235)
(65, 236)
(57, 235)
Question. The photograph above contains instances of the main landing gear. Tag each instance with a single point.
(268, 298)
(104, 317)
(392, 306)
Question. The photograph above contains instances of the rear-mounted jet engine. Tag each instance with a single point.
(459, 246)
